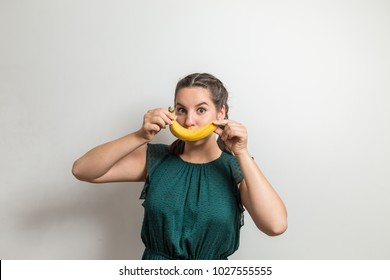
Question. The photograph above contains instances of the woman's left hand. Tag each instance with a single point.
(234, 135)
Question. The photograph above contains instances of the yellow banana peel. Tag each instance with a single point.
(185, 134)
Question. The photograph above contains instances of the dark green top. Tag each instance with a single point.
(192, 211)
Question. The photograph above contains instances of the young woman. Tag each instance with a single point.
(195, 191)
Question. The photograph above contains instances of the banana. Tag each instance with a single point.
(190, 134)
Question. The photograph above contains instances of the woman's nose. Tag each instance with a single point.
(190, 120)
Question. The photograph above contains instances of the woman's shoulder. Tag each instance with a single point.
(158, 147)
(228, 156)
(155, 154)
(229, 160)
(157, 151)
(232, 163)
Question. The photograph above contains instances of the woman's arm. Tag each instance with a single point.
(123, 159)
(258, 196)
(260, 199)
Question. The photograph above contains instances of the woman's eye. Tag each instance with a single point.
(180, 110)
(201, 110)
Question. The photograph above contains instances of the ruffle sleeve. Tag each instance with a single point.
(237, 175)
(155, 153)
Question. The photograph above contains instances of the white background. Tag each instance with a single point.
(309, 79)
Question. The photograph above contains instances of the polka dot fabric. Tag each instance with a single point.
(192, 211)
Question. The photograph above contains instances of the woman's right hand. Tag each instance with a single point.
(154, 121)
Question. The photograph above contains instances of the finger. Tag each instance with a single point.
(237, 132)
(218, 131)
(234, 132)
(232, 126)
(220, 126)
(168, 114)
(167, 118)
(152, 128)
(162, 117)
(221, 122)
(160, 121)
(161, 112)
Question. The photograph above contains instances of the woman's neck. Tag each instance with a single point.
(201, 152)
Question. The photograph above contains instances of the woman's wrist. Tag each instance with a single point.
(243, 154)
(141, 137)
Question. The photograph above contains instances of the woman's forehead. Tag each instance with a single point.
(193, 96)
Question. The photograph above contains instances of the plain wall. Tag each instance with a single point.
(309, 79)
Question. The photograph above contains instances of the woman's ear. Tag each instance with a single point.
(222, 113)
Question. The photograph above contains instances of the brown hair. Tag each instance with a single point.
(219, 96)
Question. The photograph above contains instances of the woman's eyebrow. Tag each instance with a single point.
(179, 104)
(200, 104)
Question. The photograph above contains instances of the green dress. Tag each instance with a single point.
(191, 211)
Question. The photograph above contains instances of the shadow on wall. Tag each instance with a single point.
(100, 222)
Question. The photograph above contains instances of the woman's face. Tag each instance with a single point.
(194, 107)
